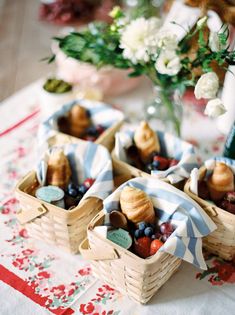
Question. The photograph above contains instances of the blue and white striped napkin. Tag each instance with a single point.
(87, 160)
(171, 147)
(100, 113)
(171, 204)
(210, 165)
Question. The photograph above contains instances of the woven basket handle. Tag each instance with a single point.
(98, 254)
(25, 216)
(211, 210)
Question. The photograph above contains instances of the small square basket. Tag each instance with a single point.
(49, 223)
(221, 242)
(138, 278)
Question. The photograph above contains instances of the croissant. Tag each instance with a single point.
(136, 205)
(220, 182)
(58, 169)
(78, 121)
(146, 141)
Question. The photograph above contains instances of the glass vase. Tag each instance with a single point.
(165, 110)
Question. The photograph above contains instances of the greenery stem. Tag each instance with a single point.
(165, 98)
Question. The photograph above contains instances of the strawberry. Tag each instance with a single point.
(88, 182)
(173, 162)
(154, 247)
(142, 246)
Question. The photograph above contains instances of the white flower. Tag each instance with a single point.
(207, 86)
(214, 42)
(166, 39)
(168, 63)
(138, 39)
(201, 21)
(214, 108)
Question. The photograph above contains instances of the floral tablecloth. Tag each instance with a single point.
(38, 279)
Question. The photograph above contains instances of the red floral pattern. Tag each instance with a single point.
(219, 271)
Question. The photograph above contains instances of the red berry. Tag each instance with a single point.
(154, 247)
(142, 246)
(173, 162)
(100, 129)
(166, 228)
(88, 182)
(163, 162)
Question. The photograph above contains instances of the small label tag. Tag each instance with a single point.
(120, 237)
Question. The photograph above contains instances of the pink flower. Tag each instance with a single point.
(23, 233)
(85, 271)
(27, 252)
(87, 308)
(5, 210)
(44, 275)
(21, 152)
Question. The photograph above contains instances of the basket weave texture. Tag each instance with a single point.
(222, 241)
(138, 278)
(49, 223)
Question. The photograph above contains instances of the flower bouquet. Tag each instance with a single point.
(146, 47)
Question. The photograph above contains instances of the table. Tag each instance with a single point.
(39, 279)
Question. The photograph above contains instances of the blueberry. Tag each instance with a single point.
(91, 131)
(82, 189)
(72, 186)
(148, 231)
(72, 192)
(155, 165)
(142, 225)
(138, 233)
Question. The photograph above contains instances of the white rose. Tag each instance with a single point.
(214, 108)
(207, 86)
(166, 39)
(138, 39)
(214, 42)
(168, 63)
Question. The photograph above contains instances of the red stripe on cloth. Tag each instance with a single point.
(22, 286)
(22, 121)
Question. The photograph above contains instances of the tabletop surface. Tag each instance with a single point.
(39, 279)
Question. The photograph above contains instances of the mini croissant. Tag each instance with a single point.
(220, 182)
(78, 121)
(136, 205)
(146, 141)
(58, 169)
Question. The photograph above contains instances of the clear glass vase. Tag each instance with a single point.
(165, 110)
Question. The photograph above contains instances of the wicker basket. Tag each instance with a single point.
(222, 241)
(136, 277)
(56, 226)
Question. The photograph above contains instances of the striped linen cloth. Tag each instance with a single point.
(171, 147)
(100, 113)
(210, 165)
(173, 205)
(87, 160)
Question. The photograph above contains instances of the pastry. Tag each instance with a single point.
(78, 121)
(58, 169)
(146, 141)
(136, 205)
(221, 181)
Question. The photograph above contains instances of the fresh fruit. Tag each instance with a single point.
(173, 162)
(142, 225)
(73, 192)
(166, 228)
(100, 129)
(163, 162)
(165, 237)
(142, 246)
(228, 206)
(91, 131)
(88, 182)
(155, 245)
(230, 196)
(148, 231)
(82, 189)
(139, 233)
